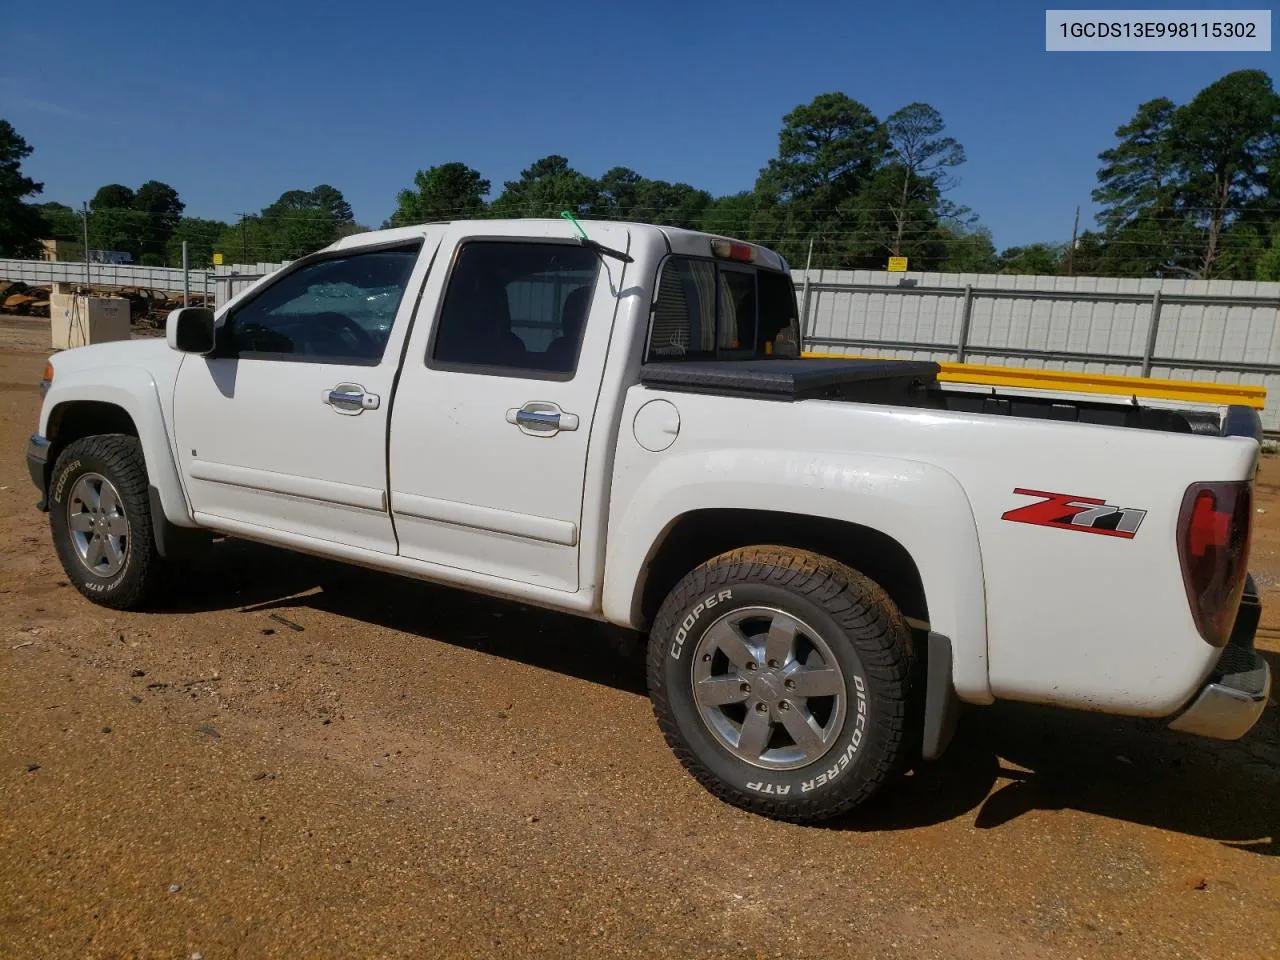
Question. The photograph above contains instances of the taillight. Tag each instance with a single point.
(1215, 527)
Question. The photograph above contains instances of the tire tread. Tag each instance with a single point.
(121, 457)
(868, 617)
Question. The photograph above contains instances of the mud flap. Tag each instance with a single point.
(941, 705)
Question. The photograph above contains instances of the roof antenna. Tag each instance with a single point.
(588, 242)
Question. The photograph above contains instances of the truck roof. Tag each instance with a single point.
(677, 239)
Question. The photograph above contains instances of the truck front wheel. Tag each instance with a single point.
(780, 680)
(101, 519)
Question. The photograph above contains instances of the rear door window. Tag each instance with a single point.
(516, 308)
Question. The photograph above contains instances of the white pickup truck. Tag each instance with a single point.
(828, 556)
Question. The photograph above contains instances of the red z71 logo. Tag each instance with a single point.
(1085, 514)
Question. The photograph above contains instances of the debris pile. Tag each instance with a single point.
(147, 308)
(17, 297)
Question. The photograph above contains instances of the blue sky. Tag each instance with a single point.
(233, 103)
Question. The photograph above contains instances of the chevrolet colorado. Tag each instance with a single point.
(828, 556)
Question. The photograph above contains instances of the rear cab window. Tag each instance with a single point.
(710, 309)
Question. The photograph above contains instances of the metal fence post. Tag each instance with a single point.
(186, 277)
(804, 300)
(804, 311)
(1153, 327)
(966, 314)
(85, 207)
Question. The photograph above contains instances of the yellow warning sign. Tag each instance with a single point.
(217, 259)
(897, 264)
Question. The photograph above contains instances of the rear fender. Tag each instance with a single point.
(920, 505)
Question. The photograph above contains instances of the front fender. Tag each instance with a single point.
(920, 505)
(134, 390)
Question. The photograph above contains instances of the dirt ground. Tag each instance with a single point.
(399, 770)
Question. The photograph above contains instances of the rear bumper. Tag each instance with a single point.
(37, 465)
(1233, 699)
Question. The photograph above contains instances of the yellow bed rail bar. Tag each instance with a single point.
(1192, 391)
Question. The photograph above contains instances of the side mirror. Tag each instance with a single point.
(190, 330)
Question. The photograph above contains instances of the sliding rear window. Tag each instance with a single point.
(710, 310)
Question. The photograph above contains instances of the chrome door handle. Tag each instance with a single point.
(539, 418)
(350, 399)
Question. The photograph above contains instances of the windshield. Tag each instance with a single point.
(707, 309)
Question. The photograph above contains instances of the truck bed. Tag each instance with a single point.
(914, 383)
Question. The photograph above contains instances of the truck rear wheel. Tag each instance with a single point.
(101, 520)
(780, 680)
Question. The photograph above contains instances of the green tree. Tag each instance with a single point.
(1182, 185)
(248, 241)
(731, 216)
(625, 195)
(138, 222)
(117, 228)
(113, 196)
(1087, 258)
(160, 200)
(923, 160)
(449, 191)
(896, 214)
(330, 200)
(1149, 245)
(804, 197)
(1138, 176)
(160, 205)
(1224, 141)
(201, 236)
(826, 150)
(298, 223)
(1041, 259)
(1268, 267)
(1138, 186)
(351, 228)
(61, 222)
(545, 188)
(620, 189)
(20, 223)
(967, 249)
(857, 191)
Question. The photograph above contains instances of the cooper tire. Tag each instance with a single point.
(825, 752)
(107, 550)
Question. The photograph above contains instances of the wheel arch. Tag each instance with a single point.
(74, 420)
(120, 400)
(699, 535)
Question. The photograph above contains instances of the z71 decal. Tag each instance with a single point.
(1085, 514)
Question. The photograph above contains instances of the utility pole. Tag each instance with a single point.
(244, 243)
(85, 208)
(1071, 251)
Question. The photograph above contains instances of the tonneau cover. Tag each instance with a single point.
(789, 379)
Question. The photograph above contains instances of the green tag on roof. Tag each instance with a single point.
(568, 215)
